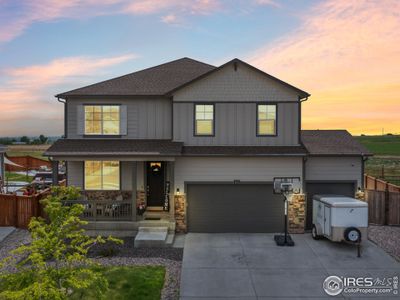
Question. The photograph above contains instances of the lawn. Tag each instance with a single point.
(10, 176)
(138, 282)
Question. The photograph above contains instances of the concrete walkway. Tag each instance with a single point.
(5, 231)
(251, 266)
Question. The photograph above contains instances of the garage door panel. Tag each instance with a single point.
(314, 188)
(234, 208)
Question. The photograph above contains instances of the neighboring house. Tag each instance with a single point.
(200, 145)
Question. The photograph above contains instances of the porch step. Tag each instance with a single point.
(153, 237)
(158, 223)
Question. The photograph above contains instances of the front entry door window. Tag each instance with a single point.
(155, 183)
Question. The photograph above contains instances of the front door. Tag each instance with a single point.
(155, 184)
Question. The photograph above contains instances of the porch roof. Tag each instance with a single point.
(104, 147)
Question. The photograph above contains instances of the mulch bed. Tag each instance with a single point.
(386, 237)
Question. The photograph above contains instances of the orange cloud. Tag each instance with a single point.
(28, 93)
(346, 54)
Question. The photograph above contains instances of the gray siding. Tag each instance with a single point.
(227, 169)
(244, 84)
(146, 118)
(75, 174)
(334, 169)
(235, 124)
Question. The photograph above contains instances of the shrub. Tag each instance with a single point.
(55, 264)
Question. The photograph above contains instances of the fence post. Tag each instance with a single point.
(386, 204)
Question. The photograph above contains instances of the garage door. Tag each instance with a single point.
(234, 208)
(339, 188)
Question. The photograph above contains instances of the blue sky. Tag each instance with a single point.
(49, 46)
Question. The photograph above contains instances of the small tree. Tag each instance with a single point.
(43, 139)
(55, 264)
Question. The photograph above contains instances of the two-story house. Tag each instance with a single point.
(200, 146)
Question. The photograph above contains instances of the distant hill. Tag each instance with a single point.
(381, 144)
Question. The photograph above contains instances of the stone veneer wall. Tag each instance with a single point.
(180, 213)
(296, 213)
(360, 195)
(140, 197)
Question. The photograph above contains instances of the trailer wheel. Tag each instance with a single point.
(352, 235)
(314, 233)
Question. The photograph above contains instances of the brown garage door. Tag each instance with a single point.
(314, 188)
(234, 208)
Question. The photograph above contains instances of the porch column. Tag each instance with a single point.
(54, 168)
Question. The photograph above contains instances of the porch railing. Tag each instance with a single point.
(104, 210)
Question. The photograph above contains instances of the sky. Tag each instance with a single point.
(345, 53)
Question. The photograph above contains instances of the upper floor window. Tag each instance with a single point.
(102, 175)
(102, 119)
(266, 119)
(204, 119)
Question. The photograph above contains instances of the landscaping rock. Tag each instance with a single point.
(386, 237)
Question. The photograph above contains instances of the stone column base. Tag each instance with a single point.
(180, 213)
(296, 213)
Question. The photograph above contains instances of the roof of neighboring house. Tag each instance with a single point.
(154, 81)
(243, 150)
(332, 142)
(162, 80)
(82, 147)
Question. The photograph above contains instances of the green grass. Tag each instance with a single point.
(385, 163)
(139, 282)
(381, 145)
(10, 176)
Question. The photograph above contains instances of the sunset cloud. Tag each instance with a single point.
(346, 54)
(14, 20)
(27, 93)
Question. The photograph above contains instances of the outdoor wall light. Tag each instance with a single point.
(177, 191)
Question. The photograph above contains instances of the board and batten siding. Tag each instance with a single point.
(76, 172)
(228, 169)
(244, 84)
(334, 169)
(236, 124)
(146, 118)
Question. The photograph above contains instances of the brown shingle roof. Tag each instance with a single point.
(154, 81)
(243, 150)
(113, 147)
(332, 142)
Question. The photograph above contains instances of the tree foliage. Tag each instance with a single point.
(55, 264)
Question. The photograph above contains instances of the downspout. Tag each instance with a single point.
(299, 118)
(65, 116)
(363, 160)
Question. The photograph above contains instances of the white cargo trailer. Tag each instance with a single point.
(339, 218)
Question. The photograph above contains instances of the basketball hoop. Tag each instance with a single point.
(286, 186)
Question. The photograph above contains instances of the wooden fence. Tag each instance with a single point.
(383, 200)
(17, 211)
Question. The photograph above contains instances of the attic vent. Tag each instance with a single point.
(235, 66)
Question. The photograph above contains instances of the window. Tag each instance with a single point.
(101, 175)
(102, 119)
(204, 119)
(266, 119)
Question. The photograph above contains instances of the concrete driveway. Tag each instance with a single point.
(251, 266)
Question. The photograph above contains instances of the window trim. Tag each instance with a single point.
(194, 119)
(276, 119)
(102, 134)
(119, 179)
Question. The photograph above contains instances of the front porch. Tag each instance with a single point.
(141, 182)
